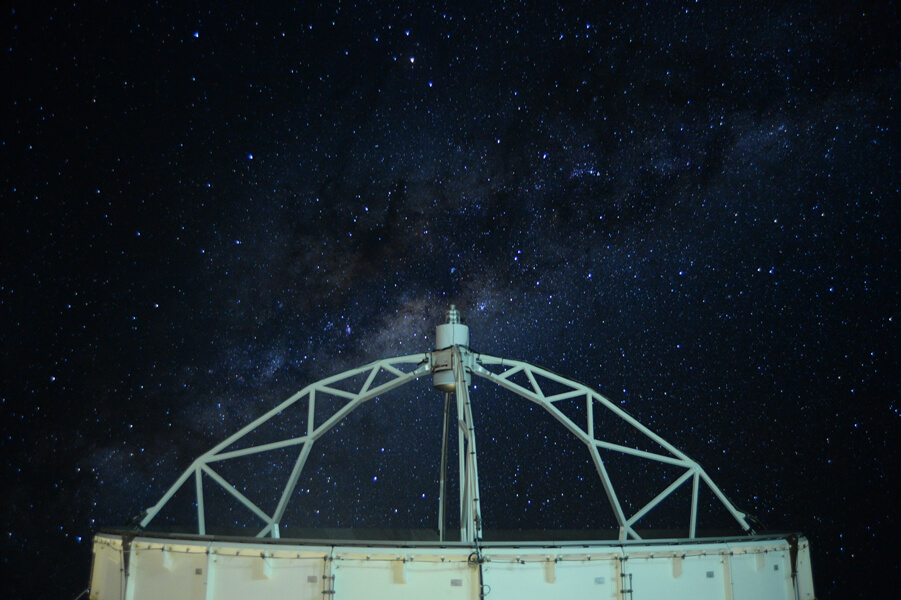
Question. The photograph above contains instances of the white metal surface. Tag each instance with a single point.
(447, 336)
(210, 569)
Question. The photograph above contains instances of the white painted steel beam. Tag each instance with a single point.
(534, 375)
(325, 386)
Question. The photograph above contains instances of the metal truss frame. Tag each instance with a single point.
(588, 436)
(389, 366)
(398, 372)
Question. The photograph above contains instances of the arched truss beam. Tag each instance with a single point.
(586, 433)
(392, 369)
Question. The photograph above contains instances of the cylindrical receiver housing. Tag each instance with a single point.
(452, 333)
(444, 380)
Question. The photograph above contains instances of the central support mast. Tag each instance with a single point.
(451, 365)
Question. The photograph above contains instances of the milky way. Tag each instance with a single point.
(692, 207)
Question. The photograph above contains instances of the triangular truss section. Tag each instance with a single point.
(547, 389)
(352, 388)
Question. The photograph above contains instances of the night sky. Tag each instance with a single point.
(693, 207)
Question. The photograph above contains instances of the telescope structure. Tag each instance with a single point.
(463, 563)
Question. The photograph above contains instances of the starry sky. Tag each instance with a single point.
(691, 206)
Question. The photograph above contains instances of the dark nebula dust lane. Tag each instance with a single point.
(691, 206)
